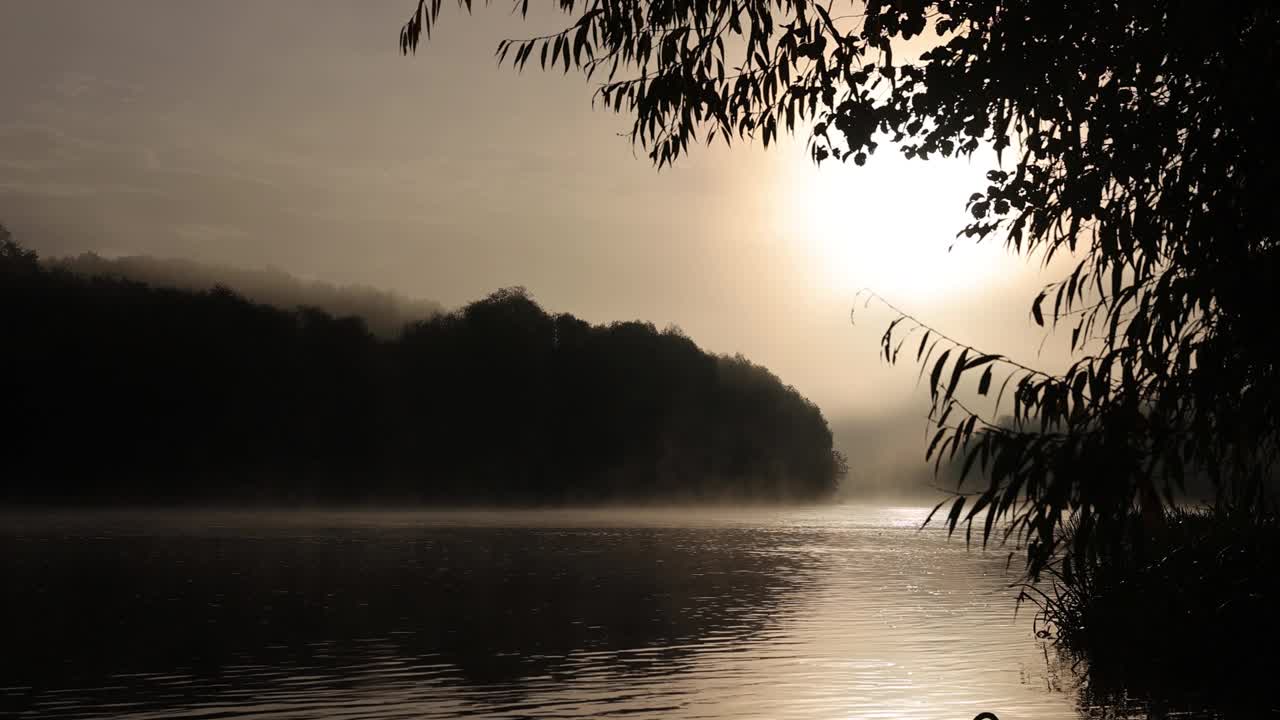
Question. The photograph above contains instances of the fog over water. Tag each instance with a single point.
(837, 611)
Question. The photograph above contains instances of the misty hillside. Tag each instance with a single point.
(127, 392)
(384, 312)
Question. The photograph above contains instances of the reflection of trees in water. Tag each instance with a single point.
(498, 605)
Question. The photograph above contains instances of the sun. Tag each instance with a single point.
(891, 226)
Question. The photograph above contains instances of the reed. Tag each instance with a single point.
(1179, 611)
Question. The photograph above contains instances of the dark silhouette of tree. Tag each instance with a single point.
(117, 390)
(16, 260)
(1136, 137)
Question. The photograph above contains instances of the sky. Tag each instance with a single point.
(293, 134)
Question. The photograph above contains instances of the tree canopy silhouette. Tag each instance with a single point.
(1137, 138)
(121, 391)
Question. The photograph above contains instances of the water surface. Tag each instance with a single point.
(836, 612)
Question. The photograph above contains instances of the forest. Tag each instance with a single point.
(120, 391)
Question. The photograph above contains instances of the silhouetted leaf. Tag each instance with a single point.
(956, 372)
(936, 375)
(1035, 309)
(985, 383)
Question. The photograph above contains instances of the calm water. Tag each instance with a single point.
(840, 612)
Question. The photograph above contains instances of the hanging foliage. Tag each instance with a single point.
(1136, 138)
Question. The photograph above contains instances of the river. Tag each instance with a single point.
(832, 612)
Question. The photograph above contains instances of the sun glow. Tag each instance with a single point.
(891, 226)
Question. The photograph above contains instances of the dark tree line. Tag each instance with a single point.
(117, 390)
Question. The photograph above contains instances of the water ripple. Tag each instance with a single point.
(826, 613)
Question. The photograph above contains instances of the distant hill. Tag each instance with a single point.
(385, 313)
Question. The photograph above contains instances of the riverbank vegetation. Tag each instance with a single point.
(1178, 611)
(121, 391)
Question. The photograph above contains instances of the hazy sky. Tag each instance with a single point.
(294, 134)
